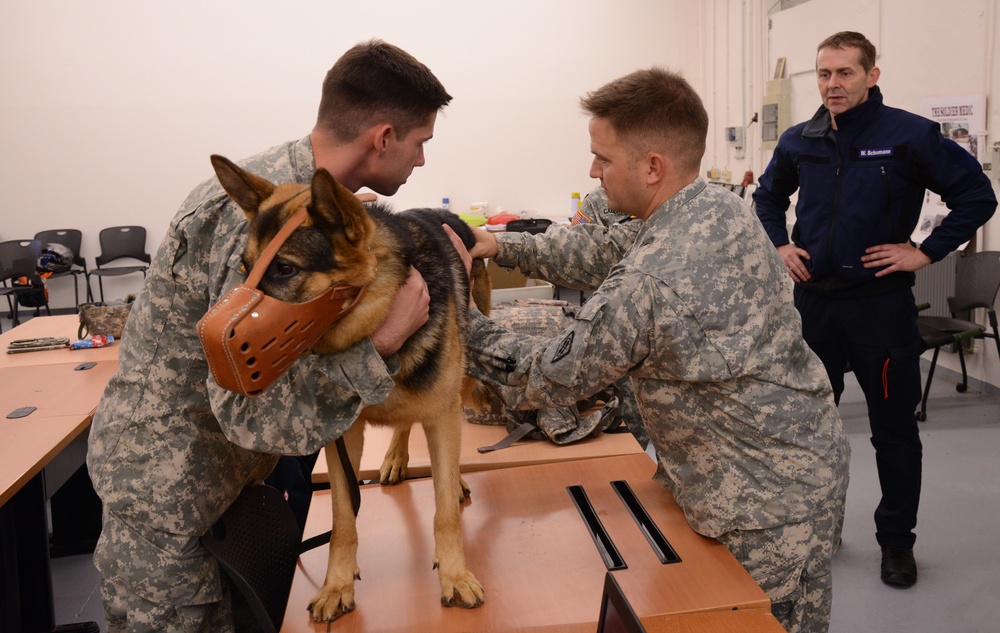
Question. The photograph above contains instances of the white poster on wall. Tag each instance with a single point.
(961, 120)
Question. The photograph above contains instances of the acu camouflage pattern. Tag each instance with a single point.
(699, 313)
(104, 318)
(561, 425)
(605, 239)
(792, 564)
(616, 231)
(170, 450)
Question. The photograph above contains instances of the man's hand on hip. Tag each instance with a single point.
(792, 255)
(895, 257)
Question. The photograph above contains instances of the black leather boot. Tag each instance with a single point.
(898, 567)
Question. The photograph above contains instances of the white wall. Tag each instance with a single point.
(109, 110)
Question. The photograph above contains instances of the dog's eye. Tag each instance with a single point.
(281, 270)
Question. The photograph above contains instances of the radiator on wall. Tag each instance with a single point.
(935, 283)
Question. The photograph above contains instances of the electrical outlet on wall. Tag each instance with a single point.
(734, 136)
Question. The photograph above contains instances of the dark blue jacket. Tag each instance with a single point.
(863, 184)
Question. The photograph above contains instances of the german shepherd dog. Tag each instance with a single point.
(342, 241)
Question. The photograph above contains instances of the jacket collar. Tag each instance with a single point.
(819, 125)
(303, 160)
(665, 214)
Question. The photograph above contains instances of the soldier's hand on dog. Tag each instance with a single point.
(407, 313)
(486, 244)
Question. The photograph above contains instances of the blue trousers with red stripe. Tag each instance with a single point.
(877, 338)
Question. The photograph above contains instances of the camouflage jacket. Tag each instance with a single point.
(607, 233)
(170, 450)
(699, 313)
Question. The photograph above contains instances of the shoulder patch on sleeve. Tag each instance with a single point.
(565, 346)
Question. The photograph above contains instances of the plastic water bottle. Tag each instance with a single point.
(445, 204)
(575, 205)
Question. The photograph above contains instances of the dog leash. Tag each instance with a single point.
(352, 485)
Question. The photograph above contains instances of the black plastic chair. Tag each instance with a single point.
(257, 543)
(71, 239)
(19, 258)
(977, 281)
(120, 242)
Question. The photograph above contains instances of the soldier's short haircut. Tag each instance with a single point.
(376, 82)
(852, 39)
(653, 109)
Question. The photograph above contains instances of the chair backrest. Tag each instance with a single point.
(19, 258)
(70, 238)
(257, 543)
(977, 281)
(118, 242)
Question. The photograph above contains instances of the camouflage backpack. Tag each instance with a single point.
(104, 318)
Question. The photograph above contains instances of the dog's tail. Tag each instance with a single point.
(482, 287)
(482, 291)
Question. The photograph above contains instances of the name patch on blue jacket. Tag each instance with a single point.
(876, 152)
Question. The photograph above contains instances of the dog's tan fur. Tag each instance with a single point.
(364, 254)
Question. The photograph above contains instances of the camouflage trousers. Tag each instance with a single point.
(792, 564)
(127, 612)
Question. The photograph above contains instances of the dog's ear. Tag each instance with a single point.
(246, 189)
(332, 203)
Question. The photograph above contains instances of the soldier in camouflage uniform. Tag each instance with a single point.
(698, 312)
(169, 449)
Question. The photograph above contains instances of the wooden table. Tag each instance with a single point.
(526, 542)
(30, 443)
(523, 453)
(54, 390)
(740, 621)
(40, 327)
(65, 399)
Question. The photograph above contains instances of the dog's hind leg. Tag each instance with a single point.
(336, 596)
(397, 456)
(459, 587)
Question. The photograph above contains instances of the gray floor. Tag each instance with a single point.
(958, 560)
(959, 563)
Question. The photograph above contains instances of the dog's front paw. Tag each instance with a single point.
(332, 602)
(461, 590)
(466, 491)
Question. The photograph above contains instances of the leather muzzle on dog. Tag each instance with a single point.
(250, 339)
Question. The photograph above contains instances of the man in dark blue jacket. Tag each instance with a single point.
(861, 169)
